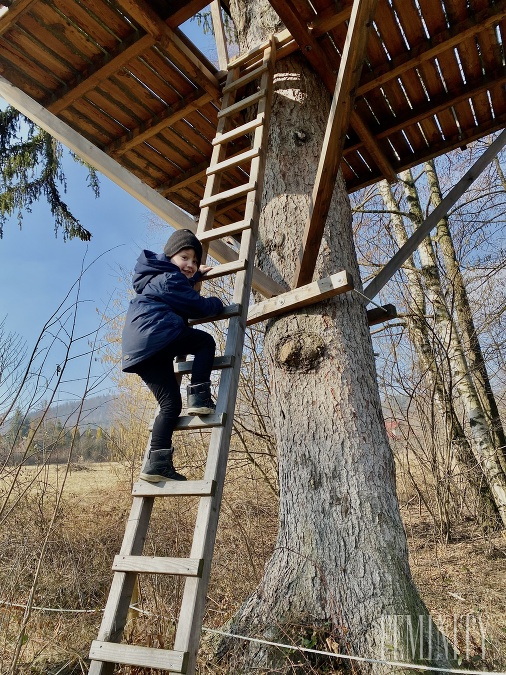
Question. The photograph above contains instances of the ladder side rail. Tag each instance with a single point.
(192, 607)
(213, 182)
(194, 594)
(118, 601)
(242, 287)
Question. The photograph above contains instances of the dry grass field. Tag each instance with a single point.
(463, 582)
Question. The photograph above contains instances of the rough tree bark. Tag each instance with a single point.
(340, 565)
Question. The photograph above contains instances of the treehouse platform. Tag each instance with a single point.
(123, 75)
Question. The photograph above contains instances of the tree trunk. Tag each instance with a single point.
(485, 509)
(483, 447)
(471, 341)
(340, 566)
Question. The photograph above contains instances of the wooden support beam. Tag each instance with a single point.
(194, 174)
(371, 143)
(307, 42)
(188, 9)
(379, 281)
(167, 118)
(310, 48)
(169, 212)
(16, 10)
(329, 19)
(381, 314)
(285, 42)
(333, 143)
(338, 283)
(93, 76)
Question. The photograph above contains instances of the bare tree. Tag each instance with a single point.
(427, 346)
(448, 334)
(39, 385)
(467, 328)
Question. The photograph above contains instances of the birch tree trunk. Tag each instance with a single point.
(483, 447)
(485, 509)
(339, 571)
(471, 341)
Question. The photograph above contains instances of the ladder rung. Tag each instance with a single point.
(204, 422)
(225, 230)
(227, 313)
(239, 131)
(243, 103)
(229, 194)
(188, 567)
(174, 488)
(218, 363)
(196, 422)
(256, 51)
(233, 161)
(252, 75)
(144, 657)
(227, 268)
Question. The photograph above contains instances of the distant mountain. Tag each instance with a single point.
(96, 412)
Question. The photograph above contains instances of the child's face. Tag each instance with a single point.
(187, 262)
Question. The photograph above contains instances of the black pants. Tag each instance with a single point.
(158, 374)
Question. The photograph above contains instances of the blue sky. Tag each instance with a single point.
(37, 269)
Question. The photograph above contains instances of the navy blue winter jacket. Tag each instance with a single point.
(164, 301)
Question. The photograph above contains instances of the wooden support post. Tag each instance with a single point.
(372, 290)
(338, 283)
(219, 34)
(333, 143)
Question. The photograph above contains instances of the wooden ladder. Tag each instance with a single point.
(107, 650)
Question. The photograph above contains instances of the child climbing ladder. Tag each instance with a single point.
(156, 331)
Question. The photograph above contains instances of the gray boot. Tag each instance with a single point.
(159, 467)
(199, 399)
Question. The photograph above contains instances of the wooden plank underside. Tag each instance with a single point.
(167, 211)
(436, 45)
(170, 41)
(93, 77)
(144, 657)
(338, 283)
(333, 143)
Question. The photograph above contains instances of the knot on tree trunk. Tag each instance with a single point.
(300, 351)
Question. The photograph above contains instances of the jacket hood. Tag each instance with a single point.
(148, 266)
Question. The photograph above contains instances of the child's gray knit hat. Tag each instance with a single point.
(183, 239)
